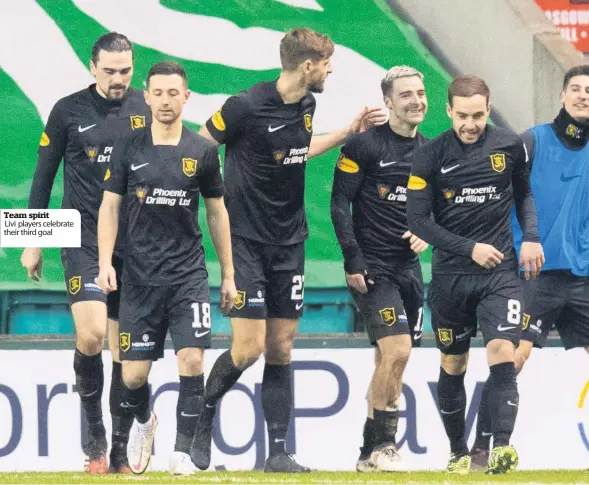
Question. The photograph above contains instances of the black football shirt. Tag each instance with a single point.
(471, 190)
(267, 144)
(162, 184)
(83, 129)
(371, 175)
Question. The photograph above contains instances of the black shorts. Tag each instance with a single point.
(560, 299)
(80, 266)
(457, 302)
(270, 279)
(393, 304)
(148, 311)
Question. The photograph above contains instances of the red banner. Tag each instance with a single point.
(571, 17)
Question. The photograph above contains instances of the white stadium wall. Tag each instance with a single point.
(330, 385)
(509, 43)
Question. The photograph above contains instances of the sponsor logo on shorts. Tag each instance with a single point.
(259, 301)
(498, 162)
(137, 122)
(189, 166)
(124, 341)
(446, 336)
(240, 300)
(388, 316)
(92, 286)
(144, 346)
(74, 284)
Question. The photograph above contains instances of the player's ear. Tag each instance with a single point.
(307, 66)
(92, 68)
(562, 98)
(146, 96)
(388, 102)
(449, 110)
(187, 94)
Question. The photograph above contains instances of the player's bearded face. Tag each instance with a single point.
(113, 72)
(408, 103)
(576, 98)
(469, 117)
(166, 95)
(318, 75)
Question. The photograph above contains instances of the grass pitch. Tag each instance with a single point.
(405, 478)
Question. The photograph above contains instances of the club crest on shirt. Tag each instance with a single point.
(525, 320)
(137, 122)
(239, 300)
(448, 193)
(278, 155)
(141, 192)
(92, 152)
(308, 122)
(74, 284)
(498, 162)
(189, 166)
(388, 316)
(383, 190)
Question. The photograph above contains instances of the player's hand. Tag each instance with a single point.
(368, 118)
(417, 245)
(358, 282)
(107, 279)
(531, 259)
(32, 261)
(486, 255)
(228, 295)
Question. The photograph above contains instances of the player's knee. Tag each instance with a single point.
(135, 373)
(522, 354)
(246, 354)
(279, 350)
(190, 361)
(499, 351)
(454, 364)
(90, 343)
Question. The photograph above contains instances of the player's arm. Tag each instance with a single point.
(347, 179)
(212, 190)
(115, 188)
(531, 253)
(367, 118)
(49, 155)
(420, 199)
(530, 147)
(228, 122)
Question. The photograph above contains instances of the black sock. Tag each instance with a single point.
(277, 405)
(223, 376)
(452, 402)
(138, 402)
(385, 423)
(122, 417)
(369, 439)
(89, 383)
(504, 401)
(483, 437)
(188, 409)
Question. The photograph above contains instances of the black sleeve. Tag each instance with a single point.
(116, 177)
(50, 153)
(209, 173)
(420, 199)
(231, 120)
(348, 176)
(528, 139)
(525, 208)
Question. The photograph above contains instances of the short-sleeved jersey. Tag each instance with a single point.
(374, 168)
(162, 184)
(472, 190)
(267, 144)
(83, 129)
